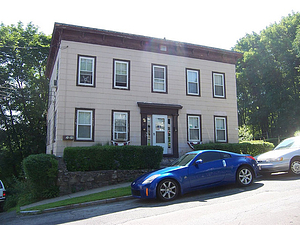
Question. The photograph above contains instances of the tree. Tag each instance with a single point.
(23, 95)
(268, 79)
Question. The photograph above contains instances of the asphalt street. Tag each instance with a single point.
(272, 200)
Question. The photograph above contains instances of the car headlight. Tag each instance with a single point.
(275, 160)
(150, 179)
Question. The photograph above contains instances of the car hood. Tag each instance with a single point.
(274, 154)
(160, 172)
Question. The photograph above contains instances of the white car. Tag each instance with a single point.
(2, 192)
(285, 157)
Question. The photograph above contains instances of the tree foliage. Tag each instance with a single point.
(23, 95)
(268, 79)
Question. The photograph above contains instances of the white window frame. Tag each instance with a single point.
(224, 119)
(115, 74)
(90, 123)
(92, 84)
(194, 128)
(159, 80)
(115, 132)
(222, 75)
(188, 71)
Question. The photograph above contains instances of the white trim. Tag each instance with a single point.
(189, 134)
(115, 73)
(197, 82)
(159, 80)
(219, 85)
(84, 124)
(221, 129)
(119, 132)
(93, 70)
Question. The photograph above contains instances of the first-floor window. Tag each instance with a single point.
(194, 131)
(120, 126)
(54, 127)
(48, 132)
(220, 129)
(84, 124)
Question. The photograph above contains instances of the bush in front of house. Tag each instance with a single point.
(107, 157)
(41, 171)
(247, 147)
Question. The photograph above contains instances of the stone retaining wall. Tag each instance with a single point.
(70, 182)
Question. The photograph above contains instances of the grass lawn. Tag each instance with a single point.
(119, 192)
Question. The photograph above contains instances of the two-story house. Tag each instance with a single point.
(118, 88)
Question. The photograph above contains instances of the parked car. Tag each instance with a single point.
(196, 170)
(285, 157)
(2, 192)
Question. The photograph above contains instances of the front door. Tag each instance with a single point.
(160, 131)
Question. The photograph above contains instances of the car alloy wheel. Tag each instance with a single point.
(244, 176)
(295, 166)
(167, 190)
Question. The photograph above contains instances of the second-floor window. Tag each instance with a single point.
(159, 78)
(219, 85)
(86, 71)
(121, 74)
(193, 82)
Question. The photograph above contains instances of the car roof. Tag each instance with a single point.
(207, 150)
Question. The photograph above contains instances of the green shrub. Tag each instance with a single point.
(41, 171)
(112, 157)
(247, 147)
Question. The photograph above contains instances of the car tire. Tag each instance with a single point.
(167, 190)
(295, 166)
(244, 176)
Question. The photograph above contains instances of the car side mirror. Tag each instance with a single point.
(199, 161)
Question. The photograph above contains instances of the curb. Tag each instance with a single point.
(74, 206)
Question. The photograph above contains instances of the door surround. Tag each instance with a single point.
(148, 108)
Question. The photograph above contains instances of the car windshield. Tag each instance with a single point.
(184, 160)
(289, 143)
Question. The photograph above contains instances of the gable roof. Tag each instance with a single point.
(130, 41)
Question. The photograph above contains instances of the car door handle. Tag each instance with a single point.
(224, 163)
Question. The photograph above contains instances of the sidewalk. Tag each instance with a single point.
(74, 195)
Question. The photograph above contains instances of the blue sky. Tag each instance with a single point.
(218, 23)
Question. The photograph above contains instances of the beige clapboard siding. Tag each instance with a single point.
(103, 98)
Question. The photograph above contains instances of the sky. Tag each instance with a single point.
(212, 23)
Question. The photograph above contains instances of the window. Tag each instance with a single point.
(120, 126)
(221, 129)
(54, 126)
(159, 78)
(193, 82)
(121, 74)
(84, 125)
(209, 156)
(86, 71)
(219, 85)
(48, 132)
(194, 131)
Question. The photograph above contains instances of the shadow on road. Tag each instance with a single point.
(80, 214)
(203, 195)
(281, 176)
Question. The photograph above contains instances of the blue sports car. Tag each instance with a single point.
(196, 170)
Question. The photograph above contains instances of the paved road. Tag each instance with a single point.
(273, 200)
